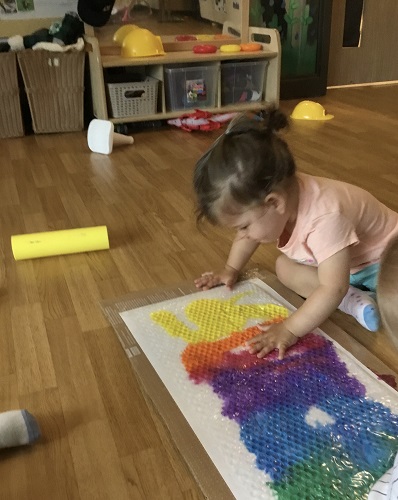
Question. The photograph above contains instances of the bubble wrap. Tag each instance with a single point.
(315, 425)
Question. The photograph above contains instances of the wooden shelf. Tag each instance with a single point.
(231, 108)
(102, 58)
(109, 61)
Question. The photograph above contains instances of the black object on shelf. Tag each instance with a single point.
(304, 28)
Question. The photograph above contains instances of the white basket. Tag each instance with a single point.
(133, 98)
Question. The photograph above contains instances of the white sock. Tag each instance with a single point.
(18, 427)
(362, 307)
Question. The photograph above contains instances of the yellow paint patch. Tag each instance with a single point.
(216, 318)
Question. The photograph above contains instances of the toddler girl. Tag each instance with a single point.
(331, 234)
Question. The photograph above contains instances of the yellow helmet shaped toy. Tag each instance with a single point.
(310, 110)
(122, 32)
(141, 42)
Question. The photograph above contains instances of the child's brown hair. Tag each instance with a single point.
(243, 165)
(387, 289)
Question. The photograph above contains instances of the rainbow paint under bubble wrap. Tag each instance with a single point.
(314, 425)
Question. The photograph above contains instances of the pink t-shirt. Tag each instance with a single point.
(333, 215)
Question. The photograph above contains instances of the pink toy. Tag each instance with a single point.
(201, 120)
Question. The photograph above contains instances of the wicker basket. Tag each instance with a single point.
(11, 124)
(133, 98)
(54, 83)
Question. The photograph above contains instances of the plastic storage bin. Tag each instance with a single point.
(54, 83)
(192, 87)
(11, 124)
(139, 96)
(242, 81)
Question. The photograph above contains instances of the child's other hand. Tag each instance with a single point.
(274, 337)
(228, 277)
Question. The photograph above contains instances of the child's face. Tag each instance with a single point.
(263, 224)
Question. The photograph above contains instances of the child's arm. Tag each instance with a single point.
(333, 276)
(239, 255)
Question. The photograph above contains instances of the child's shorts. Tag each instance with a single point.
(366, 278)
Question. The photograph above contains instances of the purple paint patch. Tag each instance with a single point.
(302, 378)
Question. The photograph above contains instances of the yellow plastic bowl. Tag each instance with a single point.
(205, 38)
(232, 47)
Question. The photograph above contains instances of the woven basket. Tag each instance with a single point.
(11, 124)
(133, 98)
(54, 83)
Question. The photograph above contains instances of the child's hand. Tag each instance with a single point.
(274, 337)
(228, 277)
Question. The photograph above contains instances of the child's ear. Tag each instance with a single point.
(277, 201)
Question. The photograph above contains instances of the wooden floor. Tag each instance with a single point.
(59, 357)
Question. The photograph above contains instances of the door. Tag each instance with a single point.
(372, 56)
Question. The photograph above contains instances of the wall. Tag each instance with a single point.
(34, 9)
(23, 27)
(24, 22)
(176, 5)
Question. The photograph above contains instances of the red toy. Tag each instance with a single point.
(201, 120)
(206, 48)
(185, 38)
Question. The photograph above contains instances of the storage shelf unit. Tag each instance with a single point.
(154, 67)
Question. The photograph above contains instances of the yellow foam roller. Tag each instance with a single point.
(66, 241)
